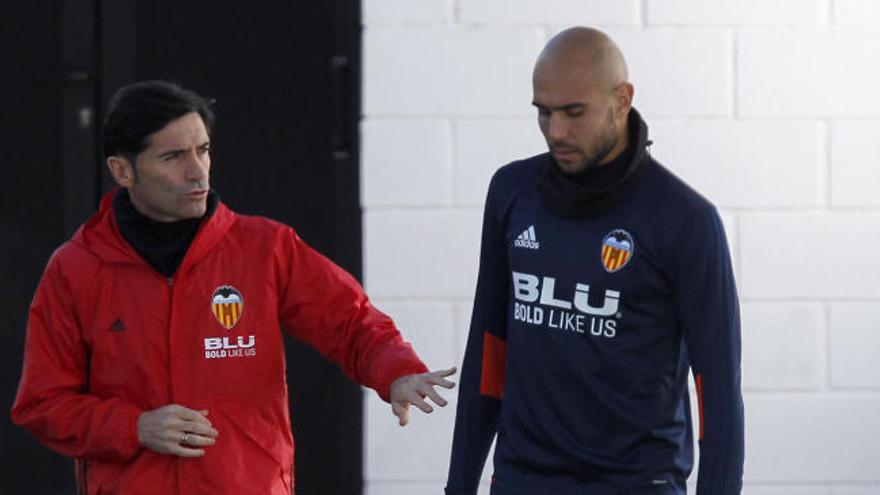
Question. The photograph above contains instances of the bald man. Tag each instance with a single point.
(604, 280)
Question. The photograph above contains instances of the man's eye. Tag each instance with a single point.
(574, 112)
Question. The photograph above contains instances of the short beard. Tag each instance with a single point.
(606, 144)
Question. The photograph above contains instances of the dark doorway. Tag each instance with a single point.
(286, 79)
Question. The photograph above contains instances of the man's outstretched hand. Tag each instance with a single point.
(413, 389)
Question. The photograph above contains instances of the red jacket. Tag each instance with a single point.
(109, 338)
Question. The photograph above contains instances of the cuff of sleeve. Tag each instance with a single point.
(389, 375)
(132, 443)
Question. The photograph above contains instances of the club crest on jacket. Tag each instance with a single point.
(227, 305)
(617, 250)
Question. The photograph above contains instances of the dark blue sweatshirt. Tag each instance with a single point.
(595, 297)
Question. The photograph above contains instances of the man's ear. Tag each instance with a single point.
(122, 170)
(623, 98)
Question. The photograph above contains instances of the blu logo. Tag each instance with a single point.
(529, 288)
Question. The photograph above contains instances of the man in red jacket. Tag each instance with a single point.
(154, 354)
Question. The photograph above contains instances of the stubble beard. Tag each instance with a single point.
(604, 144)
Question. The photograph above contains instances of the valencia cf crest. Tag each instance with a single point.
(227, 305)
(617, 250)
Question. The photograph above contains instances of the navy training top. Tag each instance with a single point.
(592, 303)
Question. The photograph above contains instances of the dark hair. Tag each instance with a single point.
(138, 110)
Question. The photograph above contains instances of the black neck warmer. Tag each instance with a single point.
(162, 244)
(593, 191)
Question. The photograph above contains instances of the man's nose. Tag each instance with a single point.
(197, 166)
(556, 128)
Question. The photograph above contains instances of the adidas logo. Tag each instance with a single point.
(527, 239)
(117, 326)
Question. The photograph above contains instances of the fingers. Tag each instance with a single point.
(437, 377)
(401, 411)
(198, 428)
(193, 440)
(191, 414)
(414, 389)
(419, 402)
(176, 430)
(183, 451)
(440, 401)
(446, 372)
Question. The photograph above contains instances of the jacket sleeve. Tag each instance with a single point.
(482, 378)
(708, 309)
(321, 304)
(52, 402)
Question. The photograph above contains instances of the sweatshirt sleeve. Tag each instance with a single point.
(482, 378)
(52, 403)
(708, 309)
(321, 304)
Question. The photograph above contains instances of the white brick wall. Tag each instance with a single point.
(482, 144)
(740, 164)
(618, 12)
(799, 329)
(403, 12)
(769, 107)
(864, 12)
(855, 345)
(388, 151)
(736, 12)
(679, 72)
(810, 254)
(788, 72)
(855, 164)
(812, 438)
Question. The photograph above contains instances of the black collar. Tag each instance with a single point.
(590, 193)
(162, 244)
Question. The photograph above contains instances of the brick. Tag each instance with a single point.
(783, 346)
(872, 489)
(855, 164)
(744, 164)
(568, 12)
(463, 312)
(855, 344)
(863, 12)
(417, 452)
(404, 488)
(730, 222)
(421, 253)
(749, 489)
(406, 162)
(679, 72)
(814, 80)
(735, 12)
(379, 487)
(484, 145)
(429, 327)
(805, 438)
(449, 71)
(400, 454)
(810, 255)
(407, 11)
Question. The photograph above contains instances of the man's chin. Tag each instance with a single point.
(571, 166)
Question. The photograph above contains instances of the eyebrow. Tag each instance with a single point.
(563, 108)
(182, 150)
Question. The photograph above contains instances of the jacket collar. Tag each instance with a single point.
(573, 198)
(100, 235)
